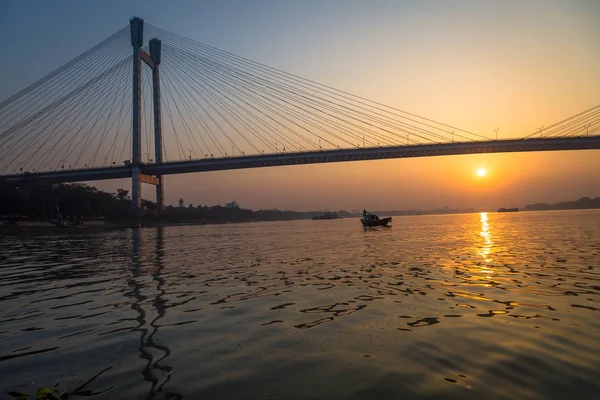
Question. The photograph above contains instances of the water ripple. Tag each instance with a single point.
(489, 306)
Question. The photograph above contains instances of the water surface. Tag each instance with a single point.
(495, 306)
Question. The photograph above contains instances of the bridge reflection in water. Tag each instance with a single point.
(151, 307)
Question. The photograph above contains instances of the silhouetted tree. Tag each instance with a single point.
(122, 194)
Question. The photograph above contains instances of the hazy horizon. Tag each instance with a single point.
(514, 66)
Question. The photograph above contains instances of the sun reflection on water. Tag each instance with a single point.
(486, 249)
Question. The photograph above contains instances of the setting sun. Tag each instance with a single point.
(481, 172)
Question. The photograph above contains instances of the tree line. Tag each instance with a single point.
(39, 200)
(582, 203)
(45, 200)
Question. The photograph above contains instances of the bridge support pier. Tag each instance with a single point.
(155, 47)
(153, 61)
(137, 38)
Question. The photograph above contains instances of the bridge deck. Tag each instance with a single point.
(316, 157)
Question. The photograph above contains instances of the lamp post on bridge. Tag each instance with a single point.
(541, 130)
(496, 130)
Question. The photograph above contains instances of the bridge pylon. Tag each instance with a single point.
(137, 167)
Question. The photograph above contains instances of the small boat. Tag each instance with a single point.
(373, 220)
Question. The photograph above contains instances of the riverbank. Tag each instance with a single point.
(35, 227)
(45, 227)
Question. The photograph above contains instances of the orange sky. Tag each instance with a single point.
(515, 67)
(511, 65)
(419, 183)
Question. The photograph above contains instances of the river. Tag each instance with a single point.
(491, 305)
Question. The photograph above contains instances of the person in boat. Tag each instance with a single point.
(364, 213)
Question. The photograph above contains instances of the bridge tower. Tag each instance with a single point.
(153, 61)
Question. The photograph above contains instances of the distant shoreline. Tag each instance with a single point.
(32, 226)
(584, 203)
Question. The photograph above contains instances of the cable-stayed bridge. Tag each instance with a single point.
(127, 108)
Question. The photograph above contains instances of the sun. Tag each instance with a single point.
(481, 172)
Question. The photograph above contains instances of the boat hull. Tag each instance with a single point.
(379, 222)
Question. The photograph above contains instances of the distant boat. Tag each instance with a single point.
(373, 220)
(327, 215)
(508, 209)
